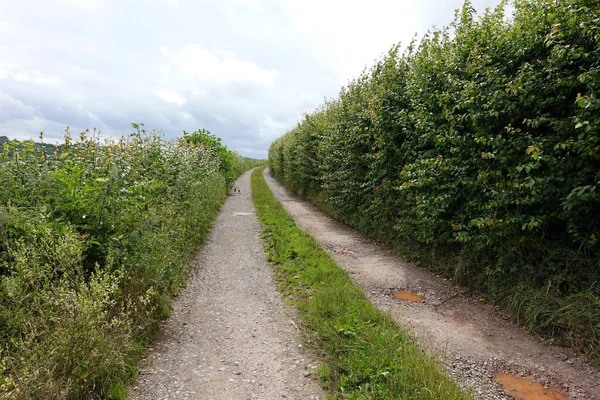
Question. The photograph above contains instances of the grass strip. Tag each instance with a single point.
(366, 355)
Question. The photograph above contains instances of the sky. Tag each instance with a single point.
(244, 69)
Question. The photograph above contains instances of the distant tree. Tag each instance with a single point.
(210, 141)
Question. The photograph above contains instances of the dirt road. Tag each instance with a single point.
(473, 339)
(230, 335)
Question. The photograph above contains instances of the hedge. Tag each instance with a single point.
(477, 152)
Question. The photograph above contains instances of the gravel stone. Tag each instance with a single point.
(229, 336)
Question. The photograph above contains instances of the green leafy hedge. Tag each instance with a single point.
(94, 239)
(478, 151)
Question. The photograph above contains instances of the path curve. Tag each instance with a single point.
(473, 339)
(230, 335)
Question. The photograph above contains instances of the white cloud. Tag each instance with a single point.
(170, 3)
(350, 38)
(23, 129)
(86, 5)
(5, 27)
(14, 72)
(88, 74)
(7, 70)
(164, 69)
(270, 128)
(170, 97)
(195, 61)
(186, 115)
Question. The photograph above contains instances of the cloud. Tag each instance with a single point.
(170, 97)
(244, 69)
(11, 108)
(195, 61)
(14, 72)
(86, 5)
(170, 3)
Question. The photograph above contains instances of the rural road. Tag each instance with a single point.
(473, 339)
(230, 335)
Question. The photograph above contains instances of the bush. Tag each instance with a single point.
(478, 146)
(94, 239)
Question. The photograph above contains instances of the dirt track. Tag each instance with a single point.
(230, 335)
(473, 339)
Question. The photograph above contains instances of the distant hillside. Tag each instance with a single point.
(253, 159)
(46, 146)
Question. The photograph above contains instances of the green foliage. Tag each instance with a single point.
(479, 145)
(94, 239)
(366, 355)
(231, 164)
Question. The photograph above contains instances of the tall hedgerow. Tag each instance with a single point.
(94, 239)
(477, 150)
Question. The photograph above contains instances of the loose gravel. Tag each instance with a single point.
(230, 336)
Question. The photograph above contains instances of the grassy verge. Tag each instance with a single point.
(367, 356)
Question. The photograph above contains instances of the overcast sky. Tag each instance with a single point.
(244, 69)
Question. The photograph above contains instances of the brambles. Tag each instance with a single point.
(94, 238)
(478, 151)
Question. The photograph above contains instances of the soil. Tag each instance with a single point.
(405, 295)
(230, 335)
(473, 340)
(525, 389)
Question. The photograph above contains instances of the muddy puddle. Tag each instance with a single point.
(405, 295)
(347, 253)
(525, 389)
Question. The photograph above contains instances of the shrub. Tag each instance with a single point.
(478, 146)
(94, 239)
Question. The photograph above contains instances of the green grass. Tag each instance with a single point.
(366, 355)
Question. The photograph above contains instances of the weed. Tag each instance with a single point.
(95, 237)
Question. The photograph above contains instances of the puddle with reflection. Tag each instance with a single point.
(525, 389)
(405, 295)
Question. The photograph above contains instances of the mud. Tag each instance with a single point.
(404, 295)
(525, 389)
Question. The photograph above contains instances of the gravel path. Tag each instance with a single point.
(230, 335)
(473, 340)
